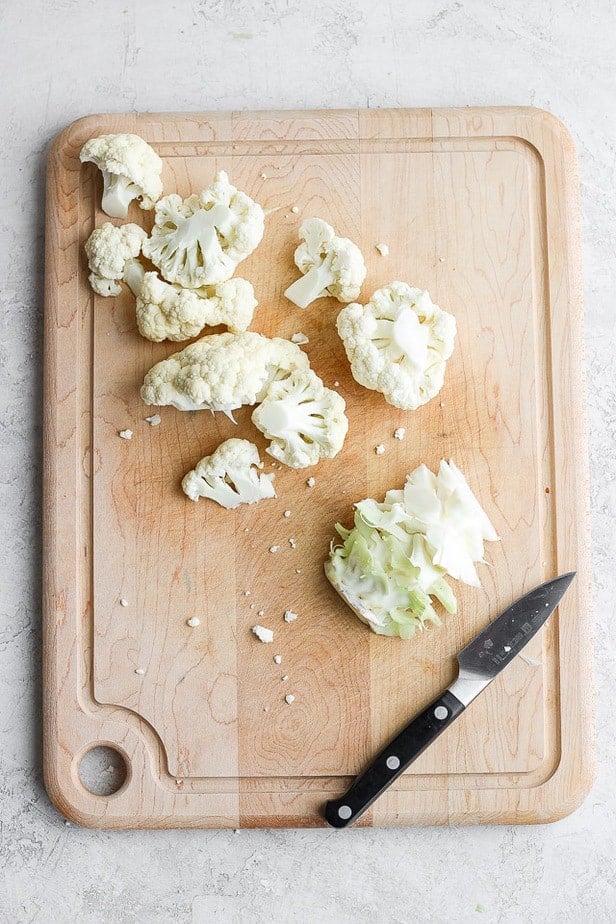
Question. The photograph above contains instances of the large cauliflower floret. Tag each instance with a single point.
(304, 420)
(398, 344)
(330, 265)
(131, 170)
(222, 372)
(169, 312)
(229, 476)
(200, 240)
(108, 250)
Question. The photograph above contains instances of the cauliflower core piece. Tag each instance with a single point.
(304, 420)
(169, 312)
(330, 265)
(222, 372)
(398, 344)
(131, 170)
(108, 250)
(229, 476)
(200, 240)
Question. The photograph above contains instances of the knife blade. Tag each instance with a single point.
(479, 663)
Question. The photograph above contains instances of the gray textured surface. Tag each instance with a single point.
(65, 58)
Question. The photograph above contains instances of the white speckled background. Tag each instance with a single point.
(62, 59)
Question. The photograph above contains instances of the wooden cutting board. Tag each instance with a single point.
(480, 207)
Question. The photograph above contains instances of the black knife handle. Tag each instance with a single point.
(393, 760)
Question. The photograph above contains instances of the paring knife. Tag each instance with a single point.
(479, 663)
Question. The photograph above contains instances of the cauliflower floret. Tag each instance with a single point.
(200, 240)
(331, 265)
(169, 312)
(108, 250)
(229, 476)
(304, 420)
(131, 170)
(398, 344)
(222, 372)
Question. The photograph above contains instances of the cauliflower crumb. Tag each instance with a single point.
(399, 433)
(298, 570)
(336, 384)
(310, 482)
(264, 176)
(290, 616)
(441, 259)
(263, 634)
(277, 659)
(154, 420)
(123, 601)
(274, 548)
(193, 622)
(246, 593)
(261, 614)
(140, 671)
(287, 513)
(289, 698)
(383, 249)
(293, 543)
(295, 209)
(380, 449)
(284, 678)
(126, 434)
(300, 338)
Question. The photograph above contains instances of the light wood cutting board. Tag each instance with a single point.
(480, 207)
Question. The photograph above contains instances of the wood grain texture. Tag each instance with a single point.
(479, 206)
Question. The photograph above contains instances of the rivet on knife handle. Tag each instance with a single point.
(394, 760)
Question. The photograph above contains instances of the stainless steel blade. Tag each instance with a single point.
(494, 648)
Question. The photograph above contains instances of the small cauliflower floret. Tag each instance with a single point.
(230, 476)
(200, 240)
(169, 312)
(398, 344)
(330, 265)
(131, 170)
(304, 420)
(222, 372)
(109, 249)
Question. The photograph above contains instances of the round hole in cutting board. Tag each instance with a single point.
(103, 770)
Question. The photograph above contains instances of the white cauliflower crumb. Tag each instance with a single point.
(298, 570)
(154, 420)
(293, 543)
(140, 671)
(277, 659)
(287, 513)
(383, 249)
(289, 698)
(295, 209)
(336, 384)
(380, 449)
(123, 601)
(310, 482)
(399, 433)
(193, 622)
(284, 678)
(263, 634)
(126, 434)
(274, 548)
(264, 176)
(290, 616)
(246, 593)
(300, 338)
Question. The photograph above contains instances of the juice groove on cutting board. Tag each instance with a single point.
(479, 206)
